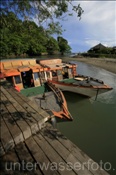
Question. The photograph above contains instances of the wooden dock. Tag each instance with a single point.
(20, 118)
(30, 145)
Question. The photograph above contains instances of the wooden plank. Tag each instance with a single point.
(82, 157)
(53, 156)
(37, 113)
(23, 126)
(10, 122)
(64, 153)
(29, 104)
(10, 163)
(34, 124)
(28, 108)
(37, 116)
(32, 104)
(27, 161)
(2, 151)
(39, 109)
(40, 157)
(79, 154)
(6, 138)
(15, 93)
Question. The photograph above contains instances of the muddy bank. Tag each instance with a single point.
(105, 63)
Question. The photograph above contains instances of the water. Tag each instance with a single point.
(93, 129)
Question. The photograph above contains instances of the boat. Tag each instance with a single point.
(29, 73)
(65, 77)
(30, 79)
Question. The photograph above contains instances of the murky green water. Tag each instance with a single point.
(94, 126)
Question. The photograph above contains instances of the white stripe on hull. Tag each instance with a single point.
(90, 92)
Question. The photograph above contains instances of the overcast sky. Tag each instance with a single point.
(98, 25)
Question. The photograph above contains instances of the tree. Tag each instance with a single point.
(19, 32)
(63, 45)
(43, 11)
(10, 29)
(19, 37)
(35, 37)
(52, 45)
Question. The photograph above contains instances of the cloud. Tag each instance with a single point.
(98, 25)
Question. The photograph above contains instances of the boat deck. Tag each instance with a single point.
(31, 146)
(82, 82)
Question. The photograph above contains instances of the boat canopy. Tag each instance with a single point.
(14, 67)
(54, 64)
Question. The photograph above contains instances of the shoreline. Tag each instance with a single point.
(108, 64)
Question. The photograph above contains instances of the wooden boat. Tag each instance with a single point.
(83, 86)
(30, 79)
(66, 78)
(34, 73)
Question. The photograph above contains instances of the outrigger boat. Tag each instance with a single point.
(65, 77)
(30, 78)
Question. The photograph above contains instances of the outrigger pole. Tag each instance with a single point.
(96, 94)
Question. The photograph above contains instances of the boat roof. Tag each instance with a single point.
(14, 67)
(54, 63)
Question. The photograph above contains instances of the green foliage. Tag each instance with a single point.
(25, 37)
(20, 35)
(44, 11)
(63, 45)
(106, 52)
(52, 45)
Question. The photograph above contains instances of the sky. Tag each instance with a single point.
(97, 25)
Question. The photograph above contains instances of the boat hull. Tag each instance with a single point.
(86, 91)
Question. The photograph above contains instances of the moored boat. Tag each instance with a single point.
(30, 79)
(29, 73)
(66, 78)
(83, 87)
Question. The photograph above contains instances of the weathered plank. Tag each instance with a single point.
(28, 164)
(36, 112)
(22, 103)
(64, 153)
(83, 158)
(25, 115)
(84, 161)
(7, 140)
(41, 117)
(10, 163)
(23, 126)
(79, 154)
(59, 164)
(40, 157)
(2, 151)
(12, 126)
(29, 119)
(34, 105)
(33, 115)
